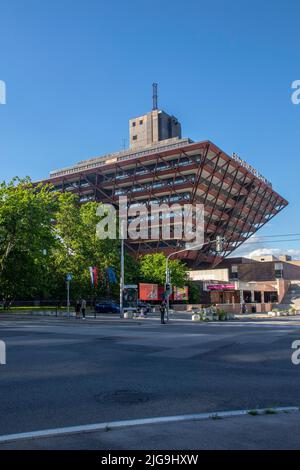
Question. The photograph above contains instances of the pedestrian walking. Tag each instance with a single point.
(162, 313)
(83, 308)
(77, 308)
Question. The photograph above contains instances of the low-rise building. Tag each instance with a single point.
(236, 281)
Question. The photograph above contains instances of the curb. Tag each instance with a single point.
(108, 426)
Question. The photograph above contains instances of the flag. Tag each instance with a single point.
(111, 275)
(94, 275)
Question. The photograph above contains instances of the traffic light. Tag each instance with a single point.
(168, 287)
(219, 244)
(168, 291)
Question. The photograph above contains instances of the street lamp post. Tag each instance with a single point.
(219, 247)
(168, 285)
(68, 297)
(241, 300)
(122, 269)
(68, 279)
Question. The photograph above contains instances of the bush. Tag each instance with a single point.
(222, 315)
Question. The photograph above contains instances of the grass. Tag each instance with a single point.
(270, 411)
(267, 411)
(216, 416)
(33, 307)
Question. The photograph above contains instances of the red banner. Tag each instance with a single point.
(148, 292)
(156, 292)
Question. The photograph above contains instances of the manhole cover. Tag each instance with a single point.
(123, 396)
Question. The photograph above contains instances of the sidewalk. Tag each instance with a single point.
(274, 431)
(180, 316)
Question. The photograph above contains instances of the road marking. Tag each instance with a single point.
(135, 422)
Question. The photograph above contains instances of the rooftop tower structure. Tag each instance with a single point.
(153, 127)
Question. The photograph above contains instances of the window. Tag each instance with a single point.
(234, 272)
(270, 297)
(141, 122)
(133, 124)
(134, 137)
(278, 270)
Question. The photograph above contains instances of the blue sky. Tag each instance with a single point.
(76, 71)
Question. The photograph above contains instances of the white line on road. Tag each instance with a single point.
(134, 422)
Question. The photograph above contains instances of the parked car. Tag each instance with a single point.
(107, 306)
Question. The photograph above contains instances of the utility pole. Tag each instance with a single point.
(68, 279)
(241, 300)
(168, 288)
(68, 298)
(122, 268)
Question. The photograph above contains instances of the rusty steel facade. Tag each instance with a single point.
(237, 201)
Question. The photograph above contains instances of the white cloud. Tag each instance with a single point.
(274, 251)
(258, 246)
(246, 248)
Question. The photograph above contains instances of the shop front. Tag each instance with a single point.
(243, 297)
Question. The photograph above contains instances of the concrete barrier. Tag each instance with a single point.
(128, 315)
(196, 317)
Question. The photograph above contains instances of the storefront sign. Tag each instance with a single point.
(221, 287)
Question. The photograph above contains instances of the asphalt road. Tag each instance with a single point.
(63, 373)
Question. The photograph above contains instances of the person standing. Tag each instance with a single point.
(77, 308)
(162, 313)
(83, 308)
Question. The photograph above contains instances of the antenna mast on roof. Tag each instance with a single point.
(154, 96)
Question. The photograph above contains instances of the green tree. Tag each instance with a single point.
(45, 234)
(80, 248)
(26, 236)
(194, 292)
(153, 269)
